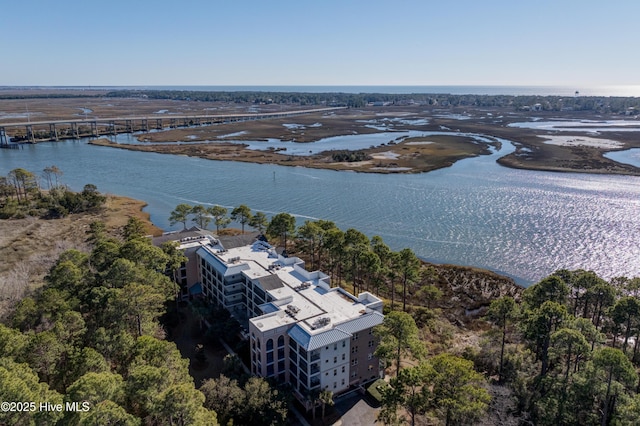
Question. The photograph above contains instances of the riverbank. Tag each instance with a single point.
(411, 155)
(536, 148)
(533, 150)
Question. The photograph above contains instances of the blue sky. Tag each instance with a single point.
(236, 42)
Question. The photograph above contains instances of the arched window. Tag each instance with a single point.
(270, 344)
(280, 341)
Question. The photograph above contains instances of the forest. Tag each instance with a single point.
(602, 104)
(548, 103)
(564, 351)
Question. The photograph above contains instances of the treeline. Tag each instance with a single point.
(569, 351)
(92, 334)
(347, 256)
(617, 104)
(22, 195)
(350, 156)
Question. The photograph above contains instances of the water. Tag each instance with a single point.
(628, 156)
(523, 223)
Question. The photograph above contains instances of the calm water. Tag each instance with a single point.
(523, 223)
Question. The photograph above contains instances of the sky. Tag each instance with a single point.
(327, 42)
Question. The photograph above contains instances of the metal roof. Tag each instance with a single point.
(363, 322)
(316, 341)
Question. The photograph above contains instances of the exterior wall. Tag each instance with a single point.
(334, 371)
(269, 352)
(363, 365)
(334, 367)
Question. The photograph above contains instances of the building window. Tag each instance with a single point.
(370, 343)
(354, 350)
(344, 343)
(354, 362)
(369, 356)
(335, 385)
(335, 372)
(342, 382)
(370, 368)
(281, 341)
(343, 368)
(335, 359)
(343, 357)
(335, 346)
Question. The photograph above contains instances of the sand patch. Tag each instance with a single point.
(419, 143)
(583, 141)
(386, 155)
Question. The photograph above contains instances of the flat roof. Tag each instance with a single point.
(301, 296)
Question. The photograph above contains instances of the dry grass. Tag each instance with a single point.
(29, 247)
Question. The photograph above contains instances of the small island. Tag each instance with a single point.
(421, 132)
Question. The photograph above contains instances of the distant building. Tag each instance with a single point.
(301, 331)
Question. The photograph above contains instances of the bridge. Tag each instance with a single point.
(54, 130)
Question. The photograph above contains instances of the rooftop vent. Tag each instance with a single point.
(320, 322)
(292, 310)
(305, 285)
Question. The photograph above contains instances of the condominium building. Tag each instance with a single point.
(301, 330)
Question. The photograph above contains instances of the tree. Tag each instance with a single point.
(626, 312)
(410, 391)
(224, 396)
(24, 182)
(619, 372)
(134, 228)
(262, 404)
(538, 326)
(398, 336)
(49, 172)
(241, 214)
(326, 398)
(96, 387)
(282, 225)
(552, 288)
(140, 305)
(500, 312)
(308, 239)
(408, 266)
(259, 221)
(107, 413)
(220, 218)
(180, 215)
(201, 216)
(19, 383)
(91, 198)
(457, 394)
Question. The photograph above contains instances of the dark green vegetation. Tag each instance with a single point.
(569, 351)
(350, 156)
(564, 352)
(21, 195)
(547, 103)
(92, 333)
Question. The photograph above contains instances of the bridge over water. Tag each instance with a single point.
(53, 130)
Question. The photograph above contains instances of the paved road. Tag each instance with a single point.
(355, 411)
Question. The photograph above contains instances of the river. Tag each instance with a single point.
(525, 224)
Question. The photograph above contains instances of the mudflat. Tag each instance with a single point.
(574, 149)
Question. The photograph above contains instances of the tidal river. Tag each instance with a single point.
(525, 224)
